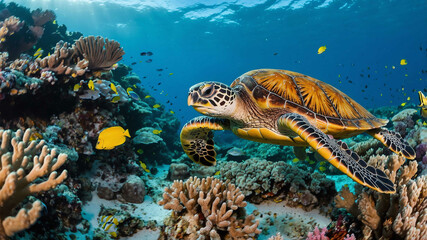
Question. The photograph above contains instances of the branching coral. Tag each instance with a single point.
(101, 54)
(207, 209)
(17, 174)
(40, 17)
(403, 214)
(9, 26)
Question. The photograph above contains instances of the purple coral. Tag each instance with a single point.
(421, 156)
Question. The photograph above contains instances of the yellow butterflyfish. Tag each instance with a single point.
(217, 173)
(3, 39)
(112, 137)
(90, 85)
(409, 98)
(76, 87)
(321, 49)
(74, 75)
(148, 96)
(115, 99)
(144, 166)
(403, 104)
(156, 106)
(113, 87)
(115, 65)
(403, 62)
(393, 67)
(156, 131)
(38, 53)
(54, 21)
(172, 112)
(423, 104)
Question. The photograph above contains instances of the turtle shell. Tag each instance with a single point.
(312, 98)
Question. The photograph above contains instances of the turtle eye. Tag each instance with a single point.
(207, 91)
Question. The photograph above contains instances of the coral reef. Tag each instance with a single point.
(207, 208)
(400, 215)
(17, 174)
(261, 179)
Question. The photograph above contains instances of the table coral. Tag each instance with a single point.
(207, 208)
(17, 174)
(384, 216)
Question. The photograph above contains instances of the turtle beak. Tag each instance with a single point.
(192, 98)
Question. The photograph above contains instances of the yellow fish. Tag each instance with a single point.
(35, 136)
(74, 75)
(115, 65)
(156, 106)
(172, 112)
(38, 53)
(403, 62)
(217, 173)
(295, 160)
(423, 104)
(393, 67)
(112, 137)
(322, 168)
(403, 104)
(135, 86)
(90, 85)
(144, 166)
(140, 151)
(155, 131)
(115, 99)
(409, 98)
(170, 74)
(76, 87)
(148, 96)
(2, 39)
(113, 87)
(54, 21)
(322, 163)
(321, 49)
(109, 224)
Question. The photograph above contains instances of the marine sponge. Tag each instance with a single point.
(207, 208)
(17, 174)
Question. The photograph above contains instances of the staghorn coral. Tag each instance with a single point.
(101, 54)
(64, 61)
(260, 179)
(384, 216)
(207, 208)
(17, 174)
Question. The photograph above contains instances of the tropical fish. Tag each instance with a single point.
(403, 62)
(76, 87)
(156, 106)
(156, 131)
(115, 99)
(109, 224)
(132, 94)
(148, 96)
(423, 104)
(35, 136)
(321, 49)
(140, 151)
(90, 85)
(54, 21)
(393, 67)
(111, 137)
(13, 91)
(295, 160)
(322, 168)
(322, 163)
(38, 53)
(236, 152)
(170, 74)
(144, 166)
(172, 112)
(403, 104)
(74, 75)
(217, 173)
(113, 87)
(3, 39)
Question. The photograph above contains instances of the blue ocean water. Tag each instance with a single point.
(194, 41)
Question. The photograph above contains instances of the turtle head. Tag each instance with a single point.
(213, 99)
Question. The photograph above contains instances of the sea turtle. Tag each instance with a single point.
(288, 108)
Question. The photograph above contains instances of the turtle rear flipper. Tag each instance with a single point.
(337, 153)
(197, 139)
(393, 141)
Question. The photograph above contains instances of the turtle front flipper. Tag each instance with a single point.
(197, 138)
(337, 153)
(393, 141)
